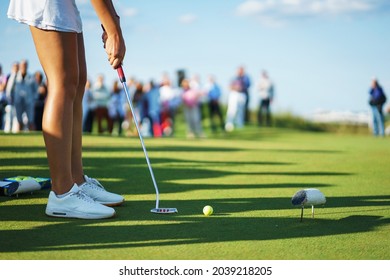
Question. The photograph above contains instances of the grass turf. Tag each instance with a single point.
(248, 177)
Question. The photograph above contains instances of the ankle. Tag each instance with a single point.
(60, 189)
(79, 180)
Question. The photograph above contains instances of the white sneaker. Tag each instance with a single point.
(96, 191)
(76, 204)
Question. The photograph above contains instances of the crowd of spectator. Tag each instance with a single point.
(156, 104)
(22, 98)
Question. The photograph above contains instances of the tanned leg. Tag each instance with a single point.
(58, 54)
(77, 164)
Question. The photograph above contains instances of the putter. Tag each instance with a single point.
(157, 209)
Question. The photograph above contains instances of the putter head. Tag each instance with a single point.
(164, 210)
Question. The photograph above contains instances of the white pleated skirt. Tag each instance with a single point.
(55, 15)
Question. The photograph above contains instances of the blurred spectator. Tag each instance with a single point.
(196, 85)
(169, 101)
(25, 96)
(40, 100)
(190, 99)
(3, 98)
(89, 107)
(235, 115)
(214, 93)
(101, 97)
(138, 105)
(152, 107)
(116, 107)
(244, 84)
(376, 101)
(387, 129)
(10, 121)
(266, 91)
(128, 118)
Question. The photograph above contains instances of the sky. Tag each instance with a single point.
(320, 54)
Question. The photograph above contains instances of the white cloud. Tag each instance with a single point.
(187, 18)
(253, 7)
(339, 6)
(278, 11)
(130, 12)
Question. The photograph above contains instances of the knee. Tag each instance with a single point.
(82, 80)
(72, 85)
(63, 86)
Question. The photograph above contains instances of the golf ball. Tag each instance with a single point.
(207, 210)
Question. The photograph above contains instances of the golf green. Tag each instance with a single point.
(248, 177)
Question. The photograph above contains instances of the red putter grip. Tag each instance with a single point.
(121, 74)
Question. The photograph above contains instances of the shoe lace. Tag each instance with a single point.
(81, 195)
(95, 183)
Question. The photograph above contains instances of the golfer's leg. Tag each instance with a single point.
(76, 161)
(57, 52)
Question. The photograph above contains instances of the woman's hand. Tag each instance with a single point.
(115, 48)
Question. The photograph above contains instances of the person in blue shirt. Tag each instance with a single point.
(214, 93)
(377, 100)
(152, 106)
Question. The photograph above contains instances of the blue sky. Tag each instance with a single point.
(321, 54)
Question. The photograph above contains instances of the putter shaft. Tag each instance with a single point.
(123, 81)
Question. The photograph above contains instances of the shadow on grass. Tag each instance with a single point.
(134, 226)
(127, 166)
(114, 162)
(167, 148)
(132, 175)
(29, 230)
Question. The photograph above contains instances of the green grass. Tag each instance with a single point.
(248, 177)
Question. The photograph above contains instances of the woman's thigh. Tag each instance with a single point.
(58, 53)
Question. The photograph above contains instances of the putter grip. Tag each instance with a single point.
(121, 75)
